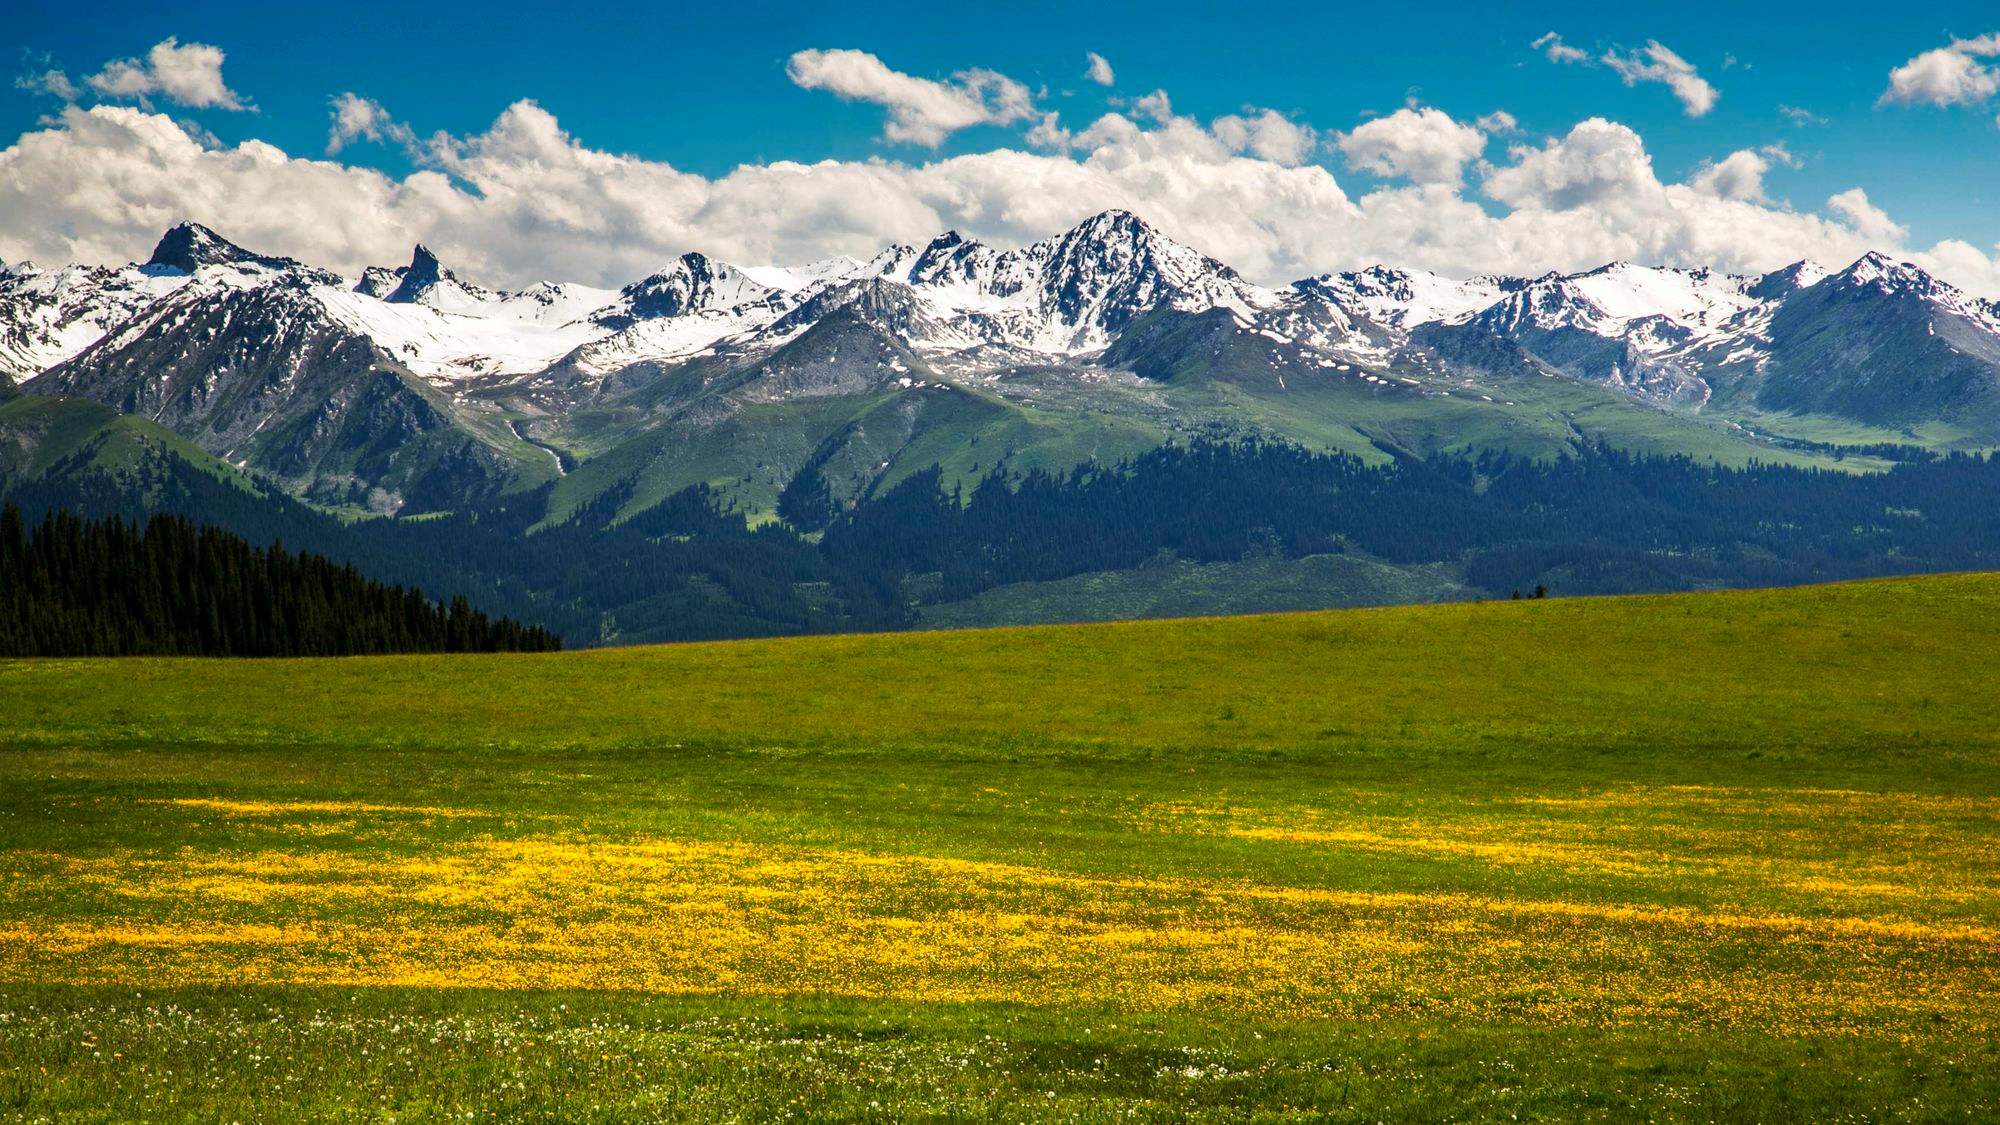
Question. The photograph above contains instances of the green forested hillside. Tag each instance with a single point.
(1138, 534)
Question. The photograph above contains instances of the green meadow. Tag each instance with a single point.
(1716, 856)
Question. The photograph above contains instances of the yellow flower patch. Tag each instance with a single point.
(728, 917)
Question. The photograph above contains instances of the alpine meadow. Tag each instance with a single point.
(1158, 563)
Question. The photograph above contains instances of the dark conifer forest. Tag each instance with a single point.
(78, 587)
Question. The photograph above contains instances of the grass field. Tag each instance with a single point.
(1181, 588)
(1723, 856)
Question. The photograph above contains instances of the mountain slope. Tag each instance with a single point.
(1882, 343)
(54, 441)
(263, 377)
(47, 316)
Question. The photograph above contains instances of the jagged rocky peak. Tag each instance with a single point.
(957, 269)
(948, 257)
(424, 281)
(1377, 283)
(189, 246)
(404, 284)
(1124, 230)
(1112, 238)
(419, 277)
(1383, 279)
(1113, 266)
(1112, 222)
(863, 296)
(1876, 275)
(884, 308)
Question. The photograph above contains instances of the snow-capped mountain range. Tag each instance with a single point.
(234, 348)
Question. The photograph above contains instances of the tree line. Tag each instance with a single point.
(71, 586)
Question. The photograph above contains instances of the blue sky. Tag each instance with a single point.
(705, 87)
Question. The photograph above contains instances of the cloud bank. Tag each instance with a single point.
(524, 199)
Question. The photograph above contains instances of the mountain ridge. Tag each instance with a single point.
(393, 391)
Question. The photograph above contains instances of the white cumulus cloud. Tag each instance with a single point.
(189, 75)
(1867, 220)
(1422, 145)
(1740, 175)
(1947, 76)
(1098, 70)
(1599, 162)
(921, 111)
(1266, 134)
(357, 118)
(1155, 106)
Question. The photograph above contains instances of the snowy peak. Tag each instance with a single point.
(1401, 299)
(1687, 296)
(1112, 268)
(686, 309)
(952, 259)
(694, 283)
(1606, 300)
(888, 305)
(1878, 270)
(48, 316)
(791, 279)
(1068, 294)
(944, 244)
(378, 281)
(892, 261)
(446, 329)
(1782, 283)
(1117, 252)
(1878, 276)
